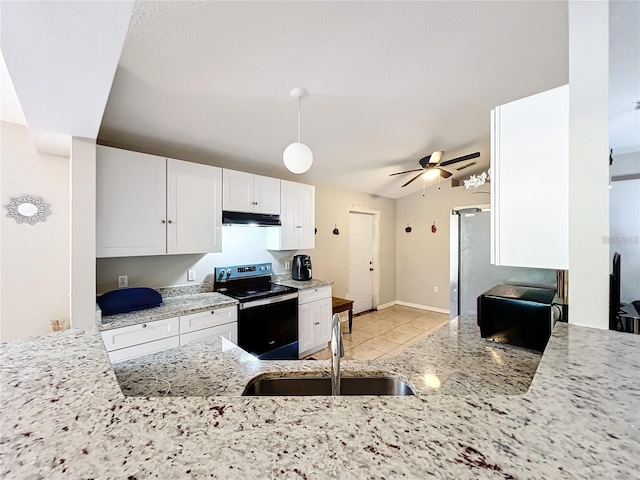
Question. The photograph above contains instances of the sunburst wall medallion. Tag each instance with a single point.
(27, 209)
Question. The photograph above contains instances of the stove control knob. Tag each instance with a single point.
(262, 268)
(221, 275)
(228, 272)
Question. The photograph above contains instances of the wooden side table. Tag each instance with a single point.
(339, 305)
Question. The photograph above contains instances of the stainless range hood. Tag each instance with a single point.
(250, 219)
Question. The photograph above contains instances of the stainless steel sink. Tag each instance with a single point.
(311, 386)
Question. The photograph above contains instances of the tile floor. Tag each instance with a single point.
(385, 332)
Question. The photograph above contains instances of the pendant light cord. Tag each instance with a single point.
(298, 119)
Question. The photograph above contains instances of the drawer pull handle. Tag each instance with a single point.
(144, 325)
(316, 323)
(272, 342)
(213, 312)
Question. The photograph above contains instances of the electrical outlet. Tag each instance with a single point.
(287, 265)
(123, 281)
(191, 274)
(435, 289)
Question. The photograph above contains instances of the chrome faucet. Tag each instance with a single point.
(337, 351)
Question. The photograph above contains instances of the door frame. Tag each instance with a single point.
(454, 255)
(375, 280)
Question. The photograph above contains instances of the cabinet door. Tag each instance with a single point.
(144, 349)
(237, 191)
(194, 213)
(123, 337)
(130, 203)
(305, 327)
(297, 215)
(266, 195)
(288, 232)
(228, 331)
(209, 318)
(529, 187)
(322, 321)
(306, 216)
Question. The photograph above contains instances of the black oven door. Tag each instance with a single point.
(268, 328)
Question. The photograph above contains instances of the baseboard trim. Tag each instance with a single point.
(422, 307)
(386, 305)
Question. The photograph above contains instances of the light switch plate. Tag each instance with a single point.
(191, 274)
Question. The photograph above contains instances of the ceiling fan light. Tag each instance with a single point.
(297, 157)
(431, 174)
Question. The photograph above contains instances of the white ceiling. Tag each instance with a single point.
(61, 57)
(388, 82)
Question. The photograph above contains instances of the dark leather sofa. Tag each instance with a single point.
(517, 315)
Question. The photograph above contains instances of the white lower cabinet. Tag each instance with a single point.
(143, 339)
(314, 320)
(219, 321)
(228, 331)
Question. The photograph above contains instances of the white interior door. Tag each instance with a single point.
(361, 261)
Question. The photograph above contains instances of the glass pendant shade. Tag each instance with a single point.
(297, 157)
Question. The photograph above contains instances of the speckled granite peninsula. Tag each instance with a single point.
(64, 416)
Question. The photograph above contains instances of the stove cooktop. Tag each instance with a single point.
(248, 282)
(253, 294)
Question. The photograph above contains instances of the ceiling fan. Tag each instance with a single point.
(433, 161)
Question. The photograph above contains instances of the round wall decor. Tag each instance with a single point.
(27, 209)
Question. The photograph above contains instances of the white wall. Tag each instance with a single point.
(588, 166)
(83, 231)
(240, 245)
(35, 259)
(423, 256)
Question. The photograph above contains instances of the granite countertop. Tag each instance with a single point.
(65, 416)
(457, 363)
(171, 307)
(314, 283)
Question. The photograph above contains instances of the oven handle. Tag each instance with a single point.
(269, 300)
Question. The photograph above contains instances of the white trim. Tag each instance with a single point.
(423, 307)
(386, 305)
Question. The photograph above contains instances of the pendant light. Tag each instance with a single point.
(297, 156)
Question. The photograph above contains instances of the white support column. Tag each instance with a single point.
(83, 232)
(588, 163)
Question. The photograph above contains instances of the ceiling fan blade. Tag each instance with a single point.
(444, 173)
(459, 159)
(414, 178)
(424, 161)
(408, 171)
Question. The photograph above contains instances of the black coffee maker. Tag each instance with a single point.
(301, 267)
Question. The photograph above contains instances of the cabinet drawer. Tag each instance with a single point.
(228, 331)
(135, 334)
(208, 318)
(313, 294)
(143, 349)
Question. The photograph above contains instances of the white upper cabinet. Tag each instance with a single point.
(246, 192)
(298, 218)
(131, 192)
(193, 207)
(530, 180)
(149, 205)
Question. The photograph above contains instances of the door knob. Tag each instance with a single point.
(371, 269)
